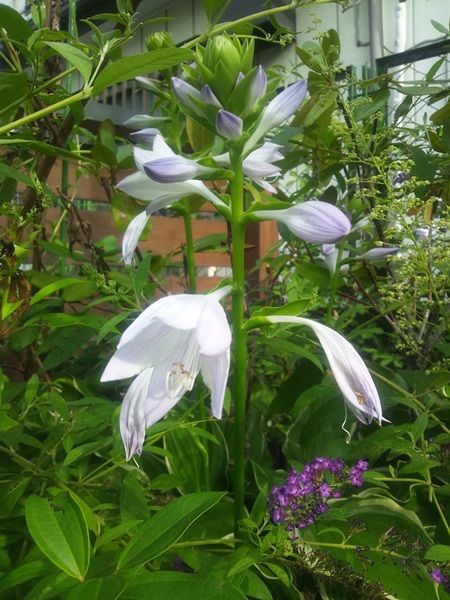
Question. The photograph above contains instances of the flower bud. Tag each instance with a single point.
(209, 97)
(228, 125)
(172, 169)
(185, 92)
(313, 221)
(159, 40)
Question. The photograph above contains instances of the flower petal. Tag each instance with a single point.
(213, 330)
(214, 370)
(377, 254)
(174, 169)
(132, 414)
(209, 96)
(185, 93)
(132, 235)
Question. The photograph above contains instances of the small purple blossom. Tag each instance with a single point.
(438, 576)
(304, 496)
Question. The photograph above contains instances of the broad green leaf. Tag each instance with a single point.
(215, 8)
(16, 26)
(128, 67)
(441, 28)
(166, 527)
(12, 87)
(378, 102)
(31, 389)
(76, 57)
(6, 171)
(54, 287)
(103, 588)
(26, 572)
(61, 533)
(170, 585)
(110, 535)
(81, 451)
(439, 552)
(6, 422)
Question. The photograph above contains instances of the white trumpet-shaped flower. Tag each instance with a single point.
(159, 195)
(166, 347)
(313, 221)
(349, 369)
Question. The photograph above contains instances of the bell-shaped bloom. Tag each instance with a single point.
(209, 96)
(258, 164)
(283, 106)
(159, 195)
(165, 348)
(313, 221)
(228, 125)
(349, 369)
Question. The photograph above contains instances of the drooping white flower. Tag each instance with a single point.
(349, 369)
(313, 221)
(165, 347)
(159, 195)
(330, 257)
(258, 164)
(377, 254)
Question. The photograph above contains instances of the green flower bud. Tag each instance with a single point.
(159, 40)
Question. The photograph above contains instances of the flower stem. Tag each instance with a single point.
(334, 285)
(239, 335)
(190, 256)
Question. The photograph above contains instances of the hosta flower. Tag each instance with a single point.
(313, 221)
(228, 125)
(349, 370)
(330, 258)
(159, 195)
(209, 96)
(283, 106)
(165, 347)
(186, 93)
(258, 164)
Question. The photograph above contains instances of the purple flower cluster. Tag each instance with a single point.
(438, 576)
(304, 496)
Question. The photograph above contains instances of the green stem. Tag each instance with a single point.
(190, 255)
(46, 111)
(354, 547)
(231, 25)
(439, 509)
(239, 335)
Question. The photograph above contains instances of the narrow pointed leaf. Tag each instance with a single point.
(166, 527)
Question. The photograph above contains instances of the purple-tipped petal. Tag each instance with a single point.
(145, 136)
(228, 125)
(209, 96)
(172, 169)
(185, 93)
(313, 221)
(258, 87)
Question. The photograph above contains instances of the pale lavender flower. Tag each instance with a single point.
(313, 221)
(349, 370)
(282, 107)
(228, 125)
(209, 96)
(166, 347)
(439, 577)
(159, 195)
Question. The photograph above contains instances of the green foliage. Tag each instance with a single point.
(76, 520)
